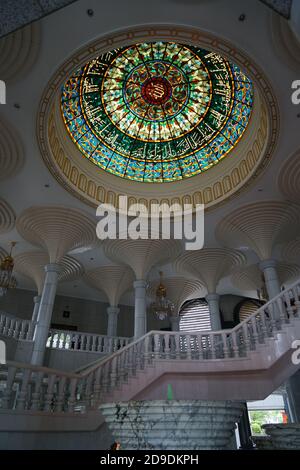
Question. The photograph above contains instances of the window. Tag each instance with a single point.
(246, 308)
(194, 316)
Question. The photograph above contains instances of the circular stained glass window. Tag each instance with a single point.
(157, 112)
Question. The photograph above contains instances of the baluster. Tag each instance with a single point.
(200, 347)
(264, 324)
(7, 394)
(49, 392)
(2, 322)
(295, 295)
(289, 307)
(36, 394)
(30, 330)
(282, 312)
(212, 346)
(50, 339)
(21, 396)
(24, 330)
(273, 315)
(88, 388)
(15, 329)
(75, 341)
(60, 394)
(156, 345)
(255, 331)
(113, 375)
(10, 327)
(246, 337)
(146, 349)
(94, 343)
(234, 343)
(188, 346)
(64, 340)
(72, 394)
(97, 385)
(6, 326)
(106, 377)
(177, 337)
(225, 345)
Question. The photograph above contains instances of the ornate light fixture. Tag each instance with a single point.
(162, 308)
(7, 280)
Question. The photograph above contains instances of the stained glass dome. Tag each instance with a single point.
(157, 112)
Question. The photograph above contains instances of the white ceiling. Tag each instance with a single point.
(69, 29)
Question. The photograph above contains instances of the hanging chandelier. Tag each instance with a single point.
(162, 308)
(7, 280)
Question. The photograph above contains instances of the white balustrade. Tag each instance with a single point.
(16, 328)
(79, 341)
(38, 388)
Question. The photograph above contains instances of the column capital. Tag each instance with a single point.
(212, 297)
(37, 299)
(267, 263)
(111, 310)
(140, 283)
(53, 268)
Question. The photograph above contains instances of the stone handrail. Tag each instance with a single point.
(51, 390)
(80, 341)
(14, 327)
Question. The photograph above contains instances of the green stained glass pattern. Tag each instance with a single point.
(157, 112)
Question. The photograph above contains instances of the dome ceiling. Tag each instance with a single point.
(157, 111)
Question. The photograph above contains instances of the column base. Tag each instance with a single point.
(172, 424)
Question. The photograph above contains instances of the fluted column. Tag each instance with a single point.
(174, 320)
(45, 313)
(112, 320)
(36, 301)
(268, 267)
(214, 310)
(140, 309)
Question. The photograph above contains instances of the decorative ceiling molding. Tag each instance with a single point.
(179, 289)
(289, 178)
(260, 226)
(282, 7)
(7, 217)
(57, 229)
(291, 251)
(11, 151)
(15, 14)
(141, 255)
(251, 278)
(18, 52)
(32, 263)
(285, 44)
(113, 280)
(209, 265)
(226, 180)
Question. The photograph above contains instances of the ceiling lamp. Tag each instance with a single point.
(7, 280)
(162, 308)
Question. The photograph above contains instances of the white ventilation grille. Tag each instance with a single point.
(194, 316)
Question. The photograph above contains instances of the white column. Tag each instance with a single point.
(112, 320)
(214, 310)
(140, 309)
(174, 320)
(45, 313)
(36, 301)
(268, 267)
